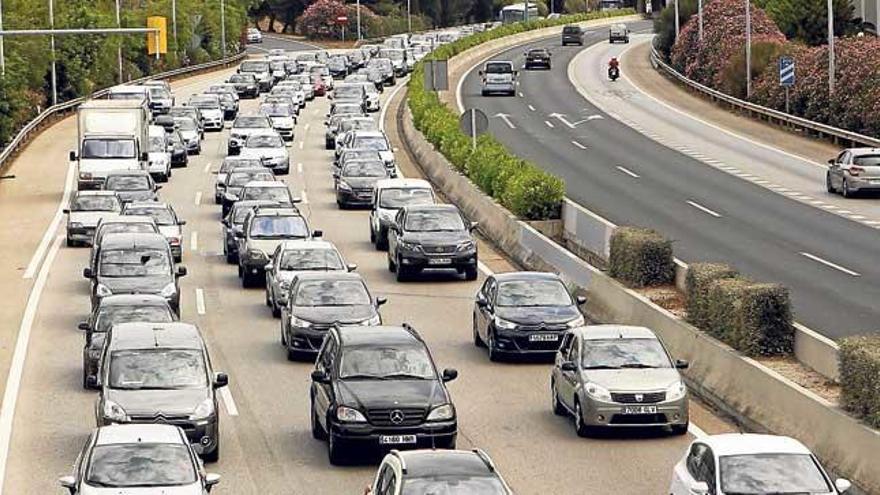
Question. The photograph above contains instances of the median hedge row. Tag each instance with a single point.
(641, 257)
(519, 185)
(860, 377)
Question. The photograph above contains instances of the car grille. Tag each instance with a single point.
(638, 419)
(411, 416)
(438, 249)
(630, 398)
(363, 193)
(180, 420)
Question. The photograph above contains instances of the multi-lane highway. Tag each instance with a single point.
(710, 213)
(266, 443)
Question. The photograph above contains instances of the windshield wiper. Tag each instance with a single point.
(637, 365)
(363, 377)
(406, 375)
(602, 367)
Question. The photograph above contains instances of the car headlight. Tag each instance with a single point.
(409, 246)
(204, 411)
(169, 290)
(349, 415)
(503, 324)
(230, 197)
(577, 322)
(299, 322)
(386, 215)
(284, 284)
(676, 391)
(342, 185)
(597, 391)
(85, 175)
(102, 290)
(372, 322)
(76, 225)
(465, 246)
(114, 412)
(256, 254)
(442, 413)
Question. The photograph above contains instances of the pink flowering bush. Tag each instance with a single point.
(320, 17)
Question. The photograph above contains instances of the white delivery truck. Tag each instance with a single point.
(111, 135)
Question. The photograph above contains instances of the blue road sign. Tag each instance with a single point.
(786, 71)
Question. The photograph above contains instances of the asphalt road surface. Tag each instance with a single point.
(266, 444)
(710, 214)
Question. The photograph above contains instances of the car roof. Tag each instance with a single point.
(526, 275)
(156, 130)
(263, 131)
(123, 173)
(142, 335)
(250, 170)
(433, 207)
(750, 443)
(429, 462)
(414, 183)
(613, 331)
(133, 300)
(124, 240)
(126, 219)
(265, 183)
(138, 433)
(308, 244)
(330, 275)
(366, 133)
(251, 203)
(149, 204)
(99, 192)
(864, 151)
(385, 334)
(280, 211)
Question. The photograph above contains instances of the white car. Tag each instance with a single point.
(368, 140)
(242, 127)
(282, 117)
(86, 209)
(254, 35)
(751, 464)
(158, 156)
(269, 147)
(212, 112)
(389, 196)
(294, 257)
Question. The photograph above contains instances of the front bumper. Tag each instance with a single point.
(499, 88)
(537, 63)
(179, 157)
(285, 133)
(192, 146)
(354, 197)
(254, 266)
(523, 341)
(601, 413)
(420, 260)
(307, 340)
(278, 165)
(205, 432)
(428, 434)
(89, 184)
(214, 123)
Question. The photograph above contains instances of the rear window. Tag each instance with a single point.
(867, 160)
(499, 68)
(571, 30)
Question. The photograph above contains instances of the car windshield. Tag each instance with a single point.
(624, 353)
(434, 221)
(276, 227)
(157, 92)
(108, 148)
(264, 141)
(448, 485)
(521, 293)
(358, 125)
(398, 197)
(320, 70)
(252, 123)
(347, 108)
(867, 160)
(126, 228)
(380, 361)
(348, 92)
(238, 179)
(158, 144)
(140, 465)
(230, 164)
(499, 68)
(391, 54)
(107, 317)
(771, 473)
(276, 110)
(254, 66)
(134, 263)
(331, 293)
(571, 30)
(157, 369)
(280, 194)
(538, 52)
(205, 102)
(239, 214)
(127, 183)
(310, 259)
(175, 137)
(162, 216)
(364, 169)
(277, 66)
(95, 203)
(242, 78)
(186, 124)
(377, 143)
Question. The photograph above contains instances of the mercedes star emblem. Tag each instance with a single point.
(397, 416)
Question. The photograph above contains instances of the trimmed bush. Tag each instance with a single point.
(860, 377)
(699, 277)
(723, 305)
(753, 318)
(641, 257)
(532, 194)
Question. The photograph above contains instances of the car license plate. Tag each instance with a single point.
(396, 439)
(640, 410)
(439, 261)
(543, 337)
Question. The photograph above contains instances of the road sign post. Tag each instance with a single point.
(342, 20)
(473, 122)
(786, 77)
(436, 75)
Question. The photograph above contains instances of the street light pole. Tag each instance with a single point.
(119, 46)
(409, 16)
(748, 51)
(700, 17)
(359, 19)
(223, 25)
(52, 47)
(676, 20)
(174, 22)
(830, 46)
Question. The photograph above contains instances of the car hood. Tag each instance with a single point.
(212, 112)
(387, 156)
(362, 182)
(136, 285)
(193, 489)
(266, 245)
(536, 315)
(246, 131)
(158, 157)
(170, 230)
(368, 394)
(282, 121)
(89, 218)
(154, 402)
(263, 153)
(335, 314)
(190, 135)
(437, 238)
(633, 380)
(287, 275)
(146, 195)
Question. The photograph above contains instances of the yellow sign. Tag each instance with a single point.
(157, 45)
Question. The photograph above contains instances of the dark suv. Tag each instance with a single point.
(538, 57)
(378, 387)
(431, 236)
(572, 34)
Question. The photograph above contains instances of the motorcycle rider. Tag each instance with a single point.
(613, 68)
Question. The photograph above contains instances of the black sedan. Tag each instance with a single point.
(538, 57)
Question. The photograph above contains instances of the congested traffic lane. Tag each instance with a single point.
(266, 443)
(713, 215)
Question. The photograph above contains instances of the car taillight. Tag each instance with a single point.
(855, 171)
(174, 241)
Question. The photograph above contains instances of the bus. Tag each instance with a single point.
(516, 12)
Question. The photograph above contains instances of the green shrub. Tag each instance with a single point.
(753, 318)
(723, 299)
(641, 257)
(532, 194)
(860, 377)
(699, 277)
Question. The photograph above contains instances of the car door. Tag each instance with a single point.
(561, 357)
(271, 274)
(325, 362)
(569, 379)
(484, 314)
(393, 233)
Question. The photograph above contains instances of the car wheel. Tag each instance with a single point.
(178, 259)
(484, 93)
(381, 241)
(214, 455)
(240, 271)
(70, 242)
(372, 236)
(557, 407)
(478, 342)
(318, 432)
(276, 311)
(391, 266)
(231, 258)
(679, 430)
(292, 354)
(470, 273)
(334, 451)
(283, 336)
(217, 200)
(847, 192)
(85, 378)
(579, 426)
(828, 185)
(402, 273)
(246, 281)
(494, 356)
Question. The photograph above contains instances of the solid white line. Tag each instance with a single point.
(531, 108)
(400, 85)
(207, 167)
(194, 242)
(198, 199)
(830, 264)
(306, 128)
(200, 301)
(549, 124)
(579, 145)
(299, 168)
(34, 264)
(305, 198)
(696, 431)
(628, 172)
(226, 395)
(703, 209)
(485, 269)
(521, 95)
(16, 368)
(301, 144)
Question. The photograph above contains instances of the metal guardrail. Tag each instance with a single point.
(24, 133)
(836, 134)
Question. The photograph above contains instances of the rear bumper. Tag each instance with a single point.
(863, 184)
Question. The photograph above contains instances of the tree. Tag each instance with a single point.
(319, 16)
(807, 20)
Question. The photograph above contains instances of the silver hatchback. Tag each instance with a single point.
(618, 376)
(854, 170)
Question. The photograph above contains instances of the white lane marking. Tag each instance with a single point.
(703, 209)
(226, 395)
(521, 95)
(34, 264)
(302, 144)
(400, 86)
(299, 168)
(628, 172)
(306, 128)
(696, 431)
(506, 119)
(579, 145)
(207, 167)
(198, 199)
(844, 212)
(830, 264)
(531, 108)
(305, 198)
(858, 217)
(194, 242)
(200, 301)
(562, 119)
(549, 124)
(16, 368)
(485, 269)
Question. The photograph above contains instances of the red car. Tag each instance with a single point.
(318, 85)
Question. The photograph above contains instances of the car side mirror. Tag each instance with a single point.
(181, 222)
(92, 381)
(318, 233)
(368, 490)
(211, 480)
(181, 271)
(381, 300)
(83, 325)
(157, 187)
(699, 488)
(145, 156)
(830, 162)
(450, 374)
(239, 234)
(482, 302)
(72, 156)
(842, 485)
(568, 366)
(473, 225)
(68, 482)
(682, 364)
(581, 300)
(480, 73)
(319, 376)
(221, 380)
(87, 273)
(269, 267)
(351, 267)
(66, 211)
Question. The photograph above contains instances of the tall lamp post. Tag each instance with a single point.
(119, 46)
(830, 46)
(359, 19)
(748, 51)
(223, 25)
(52, 49)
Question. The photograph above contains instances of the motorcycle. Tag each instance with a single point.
(613, 73)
